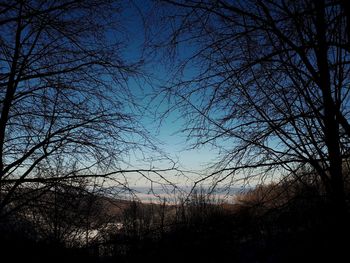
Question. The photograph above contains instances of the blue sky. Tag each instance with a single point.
(168, 133)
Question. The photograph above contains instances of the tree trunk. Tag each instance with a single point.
(331, 125)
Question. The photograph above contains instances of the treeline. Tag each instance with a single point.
(279, 222)
(290, 221)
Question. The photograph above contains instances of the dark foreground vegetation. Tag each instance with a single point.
(285, 222)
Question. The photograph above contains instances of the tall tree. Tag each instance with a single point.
(64, 99)
(267, 82)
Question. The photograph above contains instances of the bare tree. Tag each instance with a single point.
(265, 82)
(64, 96)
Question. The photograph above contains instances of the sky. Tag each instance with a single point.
(168, 133)
(192, 163)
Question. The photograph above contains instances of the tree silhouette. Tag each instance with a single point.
(265, 82)
(65, 102)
